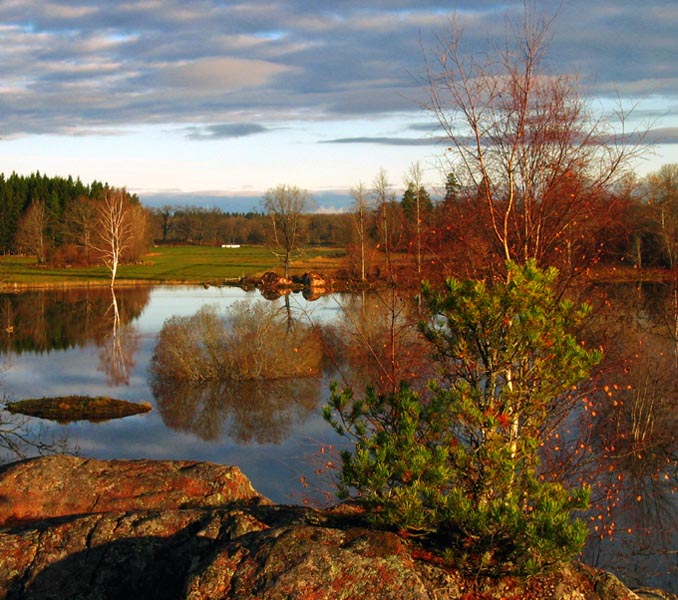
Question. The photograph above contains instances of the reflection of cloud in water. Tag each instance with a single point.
(184, 301)
(134, 448)
(274, 470)
(58, 376)
(261, 412)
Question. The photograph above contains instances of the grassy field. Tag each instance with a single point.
(172, 264)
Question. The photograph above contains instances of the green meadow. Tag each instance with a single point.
(171, 264)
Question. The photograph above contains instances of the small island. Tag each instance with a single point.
(66, 409)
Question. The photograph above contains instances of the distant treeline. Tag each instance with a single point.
(212, 226)
(634, 221)
(52, 217)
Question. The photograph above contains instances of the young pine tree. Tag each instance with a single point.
(459, 462)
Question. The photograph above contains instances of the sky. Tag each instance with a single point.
(212, 102)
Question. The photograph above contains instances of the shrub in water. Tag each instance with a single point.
(256, 340)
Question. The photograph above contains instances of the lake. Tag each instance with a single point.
(275, 446)
(88, 342)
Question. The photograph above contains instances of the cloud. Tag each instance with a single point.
(387, 141)
(80, 66)
(660, 135)
(219, 74)
(225, 131)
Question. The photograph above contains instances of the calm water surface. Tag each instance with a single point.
(280, 447)
(87, 342)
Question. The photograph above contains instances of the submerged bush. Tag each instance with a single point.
(459, 462)
(254, 340)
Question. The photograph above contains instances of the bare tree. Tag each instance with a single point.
(383, 197)
(361, 209)
(413, 181)
(524, 138)
(286, 205)
(661, 188)
(114, 226)
(30, 235)
(165, 216)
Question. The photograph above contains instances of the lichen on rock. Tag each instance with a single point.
(77, 528)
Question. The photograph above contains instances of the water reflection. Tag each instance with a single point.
(116, 358)
(262, 412)
(250, 373)
(374, 341)
(45, 320)
(252, 341)
(21, 437)
(621, 438)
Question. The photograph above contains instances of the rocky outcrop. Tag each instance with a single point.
(272, 286)
(59, 486)
(315, 285)
(273, 280)
(314, 280)
(77, 528)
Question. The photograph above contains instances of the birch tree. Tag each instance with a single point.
(114, 228)
(417, 196)
(383, 197)
(662, 198)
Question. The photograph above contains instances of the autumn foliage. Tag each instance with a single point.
(459, 461)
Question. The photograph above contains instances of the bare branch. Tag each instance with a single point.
(523, 141)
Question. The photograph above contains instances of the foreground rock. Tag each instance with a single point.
(76, 528)
(59, 486)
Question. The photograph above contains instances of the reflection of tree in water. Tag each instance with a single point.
(377, 339)
(635, 434)
(255, 340)
(252, 373)
(7, 319)
(625, 439)
(261, 412)
(118, 349)
(21, 437)
(44, 320)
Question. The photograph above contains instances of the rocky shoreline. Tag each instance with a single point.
(77, 528)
